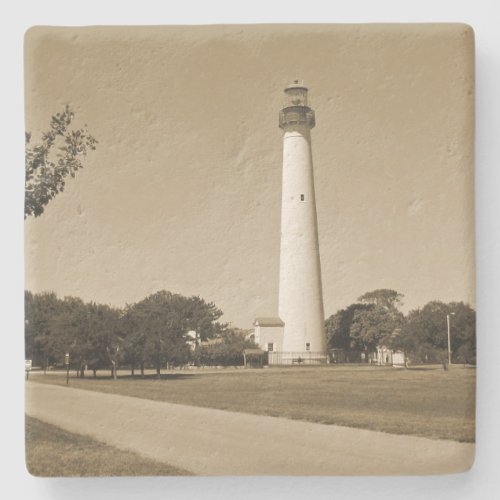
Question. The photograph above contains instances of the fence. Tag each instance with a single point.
(297, 358)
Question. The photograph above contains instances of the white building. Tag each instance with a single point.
(268, 334)
(385, 356)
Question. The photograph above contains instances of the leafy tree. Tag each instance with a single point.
(166, 329)
(466, 353)
(48, 163)
(43, 329)
(374, 326)
(103, 338)
(383, 297)
(88, 332)
(134, 345)
(156, 328)
(30, 347)
(338, 326)
(228, 351)
(73, 335)
(425, 337)
(364, 325)
(202, 317)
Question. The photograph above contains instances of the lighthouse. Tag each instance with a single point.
(300, 289)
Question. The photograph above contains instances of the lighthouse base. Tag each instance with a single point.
(297, 358)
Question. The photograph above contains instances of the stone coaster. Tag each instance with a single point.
(260, 240)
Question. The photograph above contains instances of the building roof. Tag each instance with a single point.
(268, 321)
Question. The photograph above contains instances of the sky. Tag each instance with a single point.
(184, 190)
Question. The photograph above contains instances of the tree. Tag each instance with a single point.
(43, 328)
(133, 353)
(30, 347)
(375, 326)
(228, 351)
(156, 328)
(103, 338)
(73, 333)
(424, 335)
(48, 163)
(383, 297)
(364, 325)
(202, 317)
(165, 322)
(338, 326)
(88, 332)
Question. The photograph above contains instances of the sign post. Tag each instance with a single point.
(66, 362)
(27, 367)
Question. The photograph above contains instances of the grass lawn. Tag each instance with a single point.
(52, 452)
(422, 401)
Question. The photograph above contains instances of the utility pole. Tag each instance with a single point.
(449, 343)
(66, 362)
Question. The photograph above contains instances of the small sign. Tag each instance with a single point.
(66, 358)
(28, 364)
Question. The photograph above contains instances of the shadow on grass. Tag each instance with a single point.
(163, 376)
(440, 367)
(424, 368)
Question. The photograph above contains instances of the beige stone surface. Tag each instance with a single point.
(216, 442)
(183, 192)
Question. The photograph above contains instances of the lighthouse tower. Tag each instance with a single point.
(300, 290)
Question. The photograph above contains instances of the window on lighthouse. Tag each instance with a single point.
(302, 197)
(308, 346)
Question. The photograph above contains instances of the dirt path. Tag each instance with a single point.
(216, 442)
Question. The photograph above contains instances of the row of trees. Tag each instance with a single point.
(156, 331)
(375, 319)
(149, 333)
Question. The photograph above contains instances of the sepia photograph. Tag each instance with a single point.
(249, 250)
